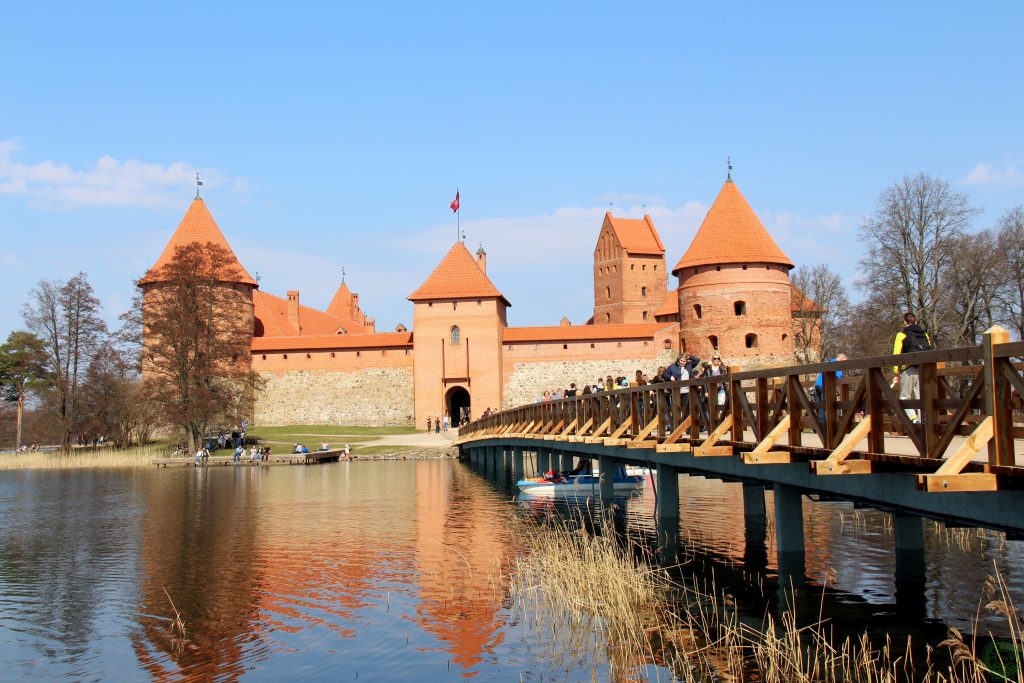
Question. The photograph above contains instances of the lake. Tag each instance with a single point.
(385, 571)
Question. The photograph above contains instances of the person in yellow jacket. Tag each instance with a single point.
(910, 339)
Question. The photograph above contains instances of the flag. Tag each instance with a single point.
(455, 204)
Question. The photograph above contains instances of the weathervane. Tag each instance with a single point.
(257, 276)
(199, 183)
(728, 162)
(343, 275)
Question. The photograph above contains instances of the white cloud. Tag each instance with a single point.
(989, 174)
(109, 182)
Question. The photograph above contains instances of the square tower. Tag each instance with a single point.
(629, 271)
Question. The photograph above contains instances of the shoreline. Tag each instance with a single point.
(143, 457)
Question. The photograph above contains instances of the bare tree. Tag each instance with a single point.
(112, 402)
(66, 316)
(971, 283)
(909, 241)
(198, 332)
(821, 307)
(1010, 240)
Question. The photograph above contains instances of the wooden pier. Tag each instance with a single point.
(959, 462)
(311, 458)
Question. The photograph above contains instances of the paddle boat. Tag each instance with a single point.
(554, 483)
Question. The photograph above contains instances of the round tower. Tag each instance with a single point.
(234, 298)
(734, 291)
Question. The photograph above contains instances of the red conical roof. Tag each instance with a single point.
(731, 233)
(197, 226)
(458, 276)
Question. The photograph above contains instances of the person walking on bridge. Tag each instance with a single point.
(910, 339)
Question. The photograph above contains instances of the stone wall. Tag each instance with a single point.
(527, 381)
(374, 396)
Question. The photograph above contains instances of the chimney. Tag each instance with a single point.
(481, 259)
(293, 310)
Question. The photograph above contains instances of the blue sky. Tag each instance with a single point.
(333, 134)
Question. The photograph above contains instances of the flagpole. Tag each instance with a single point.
(458, 219)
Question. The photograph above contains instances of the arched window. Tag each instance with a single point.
(714, 342)
(697, 310)
(643, 291)
(740, 307)
(607, 317)
(607, 292)
(456, 335)
(645, 315)
(751, 340)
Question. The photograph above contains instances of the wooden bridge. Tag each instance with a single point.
(960, 462)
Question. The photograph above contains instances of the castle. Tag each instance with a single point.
(333, 367)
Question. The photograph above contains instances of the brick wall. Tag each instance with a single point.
(375, 396)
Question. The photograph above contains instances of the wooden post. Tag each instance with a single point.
(793, 405)
(873, 401)
(997, 399)
(828, 408)
(761, 398)
(929, 382)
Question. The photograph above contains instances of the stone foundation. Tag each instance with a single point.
(529, 380)
(375, 396)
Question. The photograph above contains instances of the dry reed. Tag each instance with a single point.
(608, 605)
(139, 456)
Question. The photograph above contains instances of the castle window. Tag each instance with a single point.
(645, 315)
(718, 267)
(643, 291)
(615, 269)
(565, 347)
(456, 335)
(644, 267)
(607, 317)
(607, 292)
(455, 304)
(332, 354)
(308, 356)
(667, 344)
(751, 340)
(697, 310)
(479, 302)
(358, 354)
(714, 341)
(591, 345)
(264, 356)
(284, 356)
(740, 307)
(744, 267)
(430, 304)
(655, 267)
(632, 266)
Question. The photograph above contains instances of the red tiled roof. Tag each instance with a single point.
(196, 226)
(581, 332)
(636, 235)
(272, 311)
(670, 306)
(333, 341)
(801, 303)
(731, 233)
(457, 277)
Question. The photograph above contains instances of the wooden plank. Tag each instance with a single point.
(768, 458)
(721, 429)
(767, 443)
(672, 448)
(706, 451)
(678, 431)
(572, 426)
(586, 425)
(646, 443)
(846, 467)
(646, 431)
(971, 481)
(620, 429)
(834, 462)
(968, 449)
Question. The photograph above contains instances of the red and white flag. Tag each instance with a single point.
(455, 204)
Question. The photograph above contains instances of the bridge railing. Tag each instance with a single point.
(972, 392)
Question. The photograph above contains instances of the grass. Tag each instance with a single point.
(595, 601)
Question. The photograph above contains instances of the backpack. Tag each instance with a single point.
(915, 339)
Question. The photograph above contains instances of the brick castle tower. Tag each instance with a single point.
(734, 290)
(459, 318)
(629, 271)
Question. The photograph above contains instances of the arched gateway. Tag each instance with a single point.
(456, 402)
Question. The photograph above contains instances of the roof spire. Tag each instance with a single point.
(728, 163)
(343, 275)
(199, 183)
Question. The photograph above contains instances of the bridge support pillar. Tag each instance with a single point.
(908, 535)
(567, 462)
(490, 458)
(607, 466)
(668, 512)
(517, 462)
(543, 460)
(789, 534)
(755, 554)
